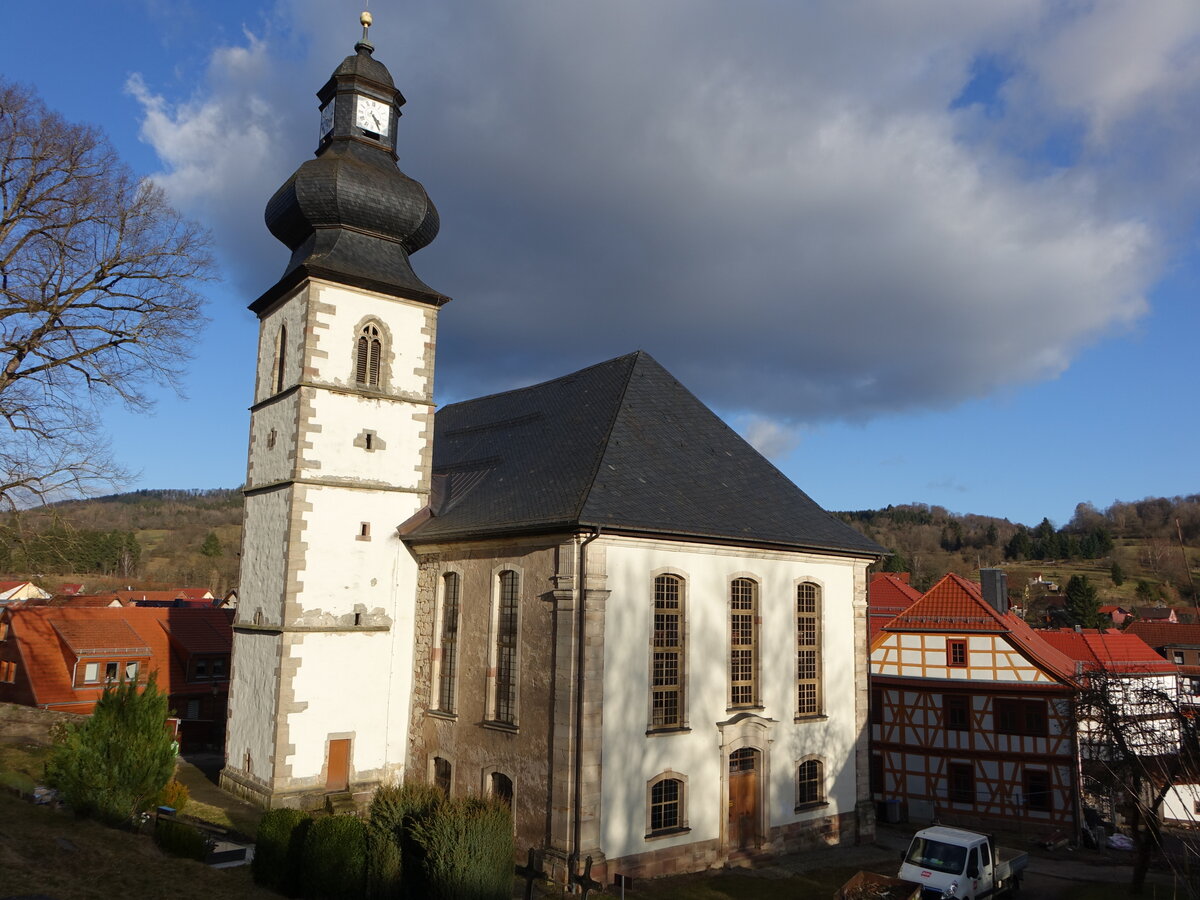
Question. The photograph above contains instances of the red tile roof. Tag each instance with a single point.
(45, 636)
(1112, 650)
(956, 605)
(1164, 634)
(888, 595)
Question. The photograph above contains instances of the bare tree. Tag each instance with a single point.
(97, 297)
(1139, 742)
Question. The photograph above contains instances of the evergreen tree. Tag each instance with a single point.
(1083, 603)
(1116, 574)
(1020, 546)
(211, 546)
(993, 535)
(114, 764)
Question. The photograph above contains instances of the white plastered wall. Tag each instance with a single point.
(632, 758)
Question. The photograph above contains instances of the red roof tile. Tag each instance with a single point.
(956, 605)
(101, 636)
(1164, 634)
(888, 595)
(1111, 650)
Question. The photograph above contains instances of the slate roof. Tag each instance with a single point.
(1113, 651)
(956, 605)
(620, 445)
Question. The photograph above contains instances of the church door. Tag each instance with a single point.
(743, 799)
(338, 774)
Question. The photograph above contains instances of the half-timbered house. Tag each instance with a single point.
(971, 716)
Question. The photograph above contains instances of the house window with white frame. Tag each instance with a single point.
(448, 643)
(743, 642)
(504, 705)
(667, 654)
(808, 649)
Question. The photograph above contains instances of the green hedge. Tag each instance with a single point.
(335, 858)
(181, 839)
(394, 809)
(279, 850)
(468, 850)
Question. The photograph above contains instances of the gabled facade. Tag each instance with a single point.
(62, 658)
(15, 591)
(971, 717)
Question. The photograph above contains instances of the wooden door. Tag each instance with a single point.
(338, 774)
(743, 799)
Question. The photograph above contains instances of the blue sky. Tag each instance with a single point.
(943, 253)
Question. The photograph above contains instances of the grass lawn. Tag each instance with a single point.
(43, 851)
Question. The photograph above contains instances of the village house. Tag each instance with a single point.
(589, 597)
(16, 591)
(63, 658)
(1179, 645)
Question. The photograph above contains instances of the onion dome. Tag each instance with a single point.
(350, 215)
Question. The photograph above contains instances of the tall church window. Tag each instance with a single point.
(810, 783)
(667, 654)
(808, 649)
(502, 788)
(743, 642)
(368, 355)
(280, 358)
(666, 811)
(504, 707)
(442, 774)
(448, 643)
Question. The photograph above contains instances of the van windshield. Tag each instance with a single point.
(931, 854)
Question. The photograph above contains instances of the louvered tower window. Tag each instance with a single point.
(369, 352)
(743, 643)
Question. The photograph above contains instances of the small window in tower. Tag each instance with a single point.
(368, 356)
(280, 358)
(364, 531)
(369, 439)
(271, 436)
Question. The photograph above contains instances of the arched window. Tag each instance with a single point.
(504, 707)
(280, 357)
(810, 783)
(743, 642)
(442, 775)
(667, 812)
(808, 649)
(448, 643)
(502, 788)
(368, 354)
(667, 654)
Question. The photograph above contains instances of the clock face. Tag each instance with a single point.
(371, 115)
(327, 118)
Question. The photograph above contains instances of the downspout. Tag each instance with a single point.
(580, 592)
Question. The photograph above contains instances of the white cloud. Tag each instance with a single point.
(780, 203)
(772, 439)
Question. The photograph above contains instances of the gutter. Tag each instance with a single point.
(580, 644)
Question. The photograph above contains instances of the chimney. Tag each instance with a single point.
(995, 588)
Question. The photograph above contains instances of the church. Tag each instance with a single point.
(590, 597)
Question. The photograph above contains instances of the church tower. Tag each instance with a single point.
(341, 433)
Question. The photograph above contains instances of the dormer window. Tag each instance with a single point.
(368, 354)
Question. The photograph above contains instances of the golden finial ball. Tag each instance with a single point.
(365, 19)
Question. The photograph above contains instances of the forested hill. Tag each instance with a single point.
(1134, 552)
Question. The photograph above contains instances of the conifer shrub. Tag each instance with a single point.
(114, 764)
(468, 850)
(174, 794)
(279, 850)
(335, 858)
(394, 810)
(181, 839)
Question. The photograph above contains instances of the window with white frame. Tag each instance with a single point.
(667, 654)
(743, 642)
(808, 649)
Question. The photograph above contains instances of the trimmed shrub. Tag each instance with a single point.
(175, 795)
(181, 839)
(393, 811)
(279, 850)
(468, 850)
(335, 858)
